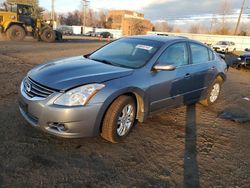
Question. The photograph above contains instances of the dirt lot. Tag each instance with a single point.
(184, 147)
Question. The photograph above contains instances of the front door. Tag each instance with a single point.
(168, 88)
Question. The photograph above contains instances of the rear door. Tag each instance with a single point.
(202, 70)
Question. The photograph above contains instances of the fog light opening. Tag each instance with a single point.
(60, 127)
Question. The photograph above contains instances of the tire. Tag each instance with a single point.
(59, 35)
(117, 124)
(15, 33)
(48, 35)
(3, 36)
(213, 92)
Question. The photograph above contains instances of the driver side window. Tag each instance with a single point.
(176, 54)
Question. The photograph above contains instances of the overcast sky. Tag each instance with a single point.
(153, 9)
(180, 8)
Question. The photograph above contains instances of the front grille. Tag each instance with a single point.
(34, 89)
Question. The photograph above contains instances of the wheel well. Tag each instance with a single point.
(11, 24)
(221, 77)
(139, 107)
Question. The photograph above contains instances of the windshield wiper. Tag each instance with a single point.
(103, 61)
(109, 62)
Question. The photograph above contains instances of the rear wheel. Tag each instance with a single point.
(15, 33)
(48, 35)
(119, 119)
(213, 93)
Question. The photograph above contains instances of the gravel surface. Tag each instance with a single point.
(184, 147)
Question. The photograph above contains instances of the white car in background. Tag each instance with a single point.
(224, 46)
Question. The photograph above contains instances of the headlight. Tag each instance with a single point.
(79, 96)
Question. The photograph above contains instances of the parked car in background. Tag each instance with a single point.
(243, 61)
(224, 47)
(91, 33)
(68, 32)
(65, 30)
(106, 35)
(107, 91)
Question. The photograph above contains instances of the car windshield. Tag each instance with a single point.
(222, 43)
(127, 52)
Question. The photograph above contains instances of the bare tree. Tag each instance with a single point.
(213, 23)
(244, 29)
(163, 26)
(70, 18)
(195, 28)
(138, 28)
(176, 29)
(224, 11)
(102, 19)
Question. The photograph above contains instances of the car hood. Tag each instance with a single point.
(72, 72)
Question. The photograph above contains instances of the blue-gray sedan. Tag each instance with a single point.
(107, 91)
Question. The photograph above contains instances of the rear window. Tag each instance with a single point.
(211, 55)
(199, 53)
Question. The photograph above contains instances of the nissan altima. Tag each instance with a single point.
(106, 92)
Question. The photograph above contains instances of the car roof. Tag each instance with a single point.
(158, 38)
(165, 39)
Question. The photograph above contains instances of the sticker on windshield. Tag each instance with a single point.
(144, 47)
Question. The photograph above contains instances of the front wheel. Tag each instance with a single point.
(16, 33)
(119, 119)
(213, 93)
(48, 35)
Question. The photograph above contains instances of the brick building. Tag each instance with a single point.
(131, 23)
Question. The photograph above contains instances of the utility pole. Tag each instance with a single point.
(52, 16)
(238, 22)
(85, 5)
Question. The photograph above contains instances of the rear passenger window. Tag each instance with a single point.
(211, 55)
(176, 54)
(199, 54)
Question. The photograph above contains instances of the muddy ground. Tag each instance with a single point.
(183, 147)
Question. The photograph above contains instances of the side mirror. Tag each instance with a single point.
(87, 55)
(164, 67)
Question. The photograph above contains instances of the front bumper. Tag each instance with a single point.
(67, 122)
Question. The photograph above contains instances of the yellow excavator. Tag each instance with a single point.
(16, 22)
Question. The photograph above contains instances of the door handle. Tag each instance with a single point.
(187, 76)
(212, 68)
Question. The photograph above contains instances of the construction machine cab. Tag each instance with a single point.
(24, 14)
